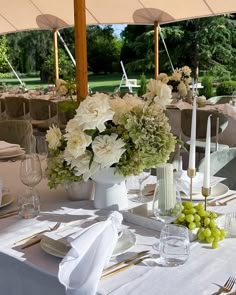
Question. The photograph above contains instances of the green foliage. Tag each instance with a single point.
(207, 89)
(4, 67)
(143, 85)
(226, 88)
(66, 67)
(103, 49)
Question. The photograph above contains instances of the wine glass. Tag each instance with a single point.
(30, 170)
(141, 179)
(30, 175)
(167, 203)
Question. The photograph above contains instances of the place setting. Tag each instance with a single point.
(10, 151)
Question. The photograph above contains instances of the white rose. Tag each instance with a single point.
(72, 125)
(107, 149)
(53, 137)
(83, 166)
(77, 141)
(94, 111)
(161, 92)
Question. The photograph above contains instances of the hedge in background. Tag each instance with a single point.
(207, 87)
(226, 88)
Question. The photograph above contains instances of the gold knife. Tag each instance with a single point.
(118, 270)
(8, 214)
(134, 257)
(221, 198)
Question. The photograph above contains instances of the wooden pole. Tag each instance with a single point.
(156, 50)
(55, 47)
(80, 49)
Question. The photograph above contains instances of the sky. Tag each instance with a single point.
(118, 29)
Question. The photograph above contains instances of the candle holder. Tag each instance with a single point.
(191, 172)
(206, 191)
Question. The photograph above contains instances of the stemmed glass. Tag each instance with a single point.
(30, 175)
(167, 203)
(141, 179)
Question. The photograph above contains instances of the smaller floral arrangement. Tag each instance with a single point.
(65, 88)
(179, 80)
(129, 134)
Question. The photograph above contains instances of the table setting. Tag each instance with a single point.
(77, 247)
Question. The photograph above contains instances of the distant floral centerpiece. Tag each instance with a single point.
(179, 80)
(129, 134)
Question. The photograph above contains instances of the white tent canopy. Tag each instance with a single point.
(19, 15)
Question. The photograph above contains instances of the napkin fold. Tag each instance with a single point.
(6, 145)
(91, 249)
(7, 148)
(183, 182)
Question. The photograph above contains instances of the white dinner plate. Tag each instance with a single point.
(218, 190)
(59, 249)
(6, 200)
(13, 155)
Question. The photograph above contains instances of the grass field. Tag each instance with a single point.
(99, 83)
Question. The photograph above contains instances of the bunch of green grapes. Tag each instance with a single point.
(194, 216)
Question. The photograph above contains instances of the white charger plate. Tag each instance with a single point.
(13, 155)
(6, 200)
(218, 190)
(59, 249)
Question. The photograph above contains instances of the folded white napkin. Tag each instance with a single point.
(183, 182)
(6, 145)
(91, 249)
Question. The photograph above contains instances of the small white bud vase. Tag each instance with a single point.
(110, 190)
(78, 191)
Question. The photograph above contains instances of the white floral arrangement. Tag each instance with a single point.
(129, 134)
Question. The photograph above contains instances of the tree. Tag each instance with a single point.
(103, 49)
(4, 67)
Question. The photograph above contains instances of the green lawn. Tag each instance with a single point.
(107, 83)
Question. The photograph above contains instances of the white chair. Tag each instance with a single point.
(127, 83)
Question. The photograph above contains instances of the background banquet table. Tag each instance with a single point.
(32, 271)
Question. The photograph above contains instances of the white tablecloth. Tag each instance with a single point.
(33, 272)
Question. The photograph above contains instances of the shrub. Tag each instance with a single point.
(143, 88)
(226, 88)
(207, 87)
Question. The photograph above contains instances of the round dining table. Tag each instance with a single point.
(32, 271)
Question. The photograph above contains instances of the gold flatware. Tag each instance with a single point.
(127, 260)
(228, 286)
(35, 239)
(216, 202)
(127, 266)
(9, 213)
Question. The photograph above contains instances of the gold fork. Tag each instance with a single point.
(227, 286)
(36, 238)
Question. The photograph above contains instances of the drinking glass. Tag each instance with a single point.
(141, 179)
(28, 203)
(174, 245)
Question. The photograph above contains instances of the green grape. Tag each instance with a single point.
(212, 223)
(214, 245)
(202, 213)
(223, 233)
(206, 220)
(197, 218)
(216, 239)
(192, 225)
(192, 211)
(188, 205)
(207, 232)
(189, 218)
(215, 232)
(181, 217)
(198, 224)
(199, 206)
(201, 235)
(209, 240)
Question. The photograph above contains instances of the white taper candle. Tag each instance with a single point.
(206, 178)
(192, 151)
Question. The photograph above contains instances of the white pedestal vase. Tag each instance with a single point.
(78, 191)
(110, 190)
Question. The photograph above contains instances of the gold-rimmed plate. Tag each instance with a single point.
(7, 199)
